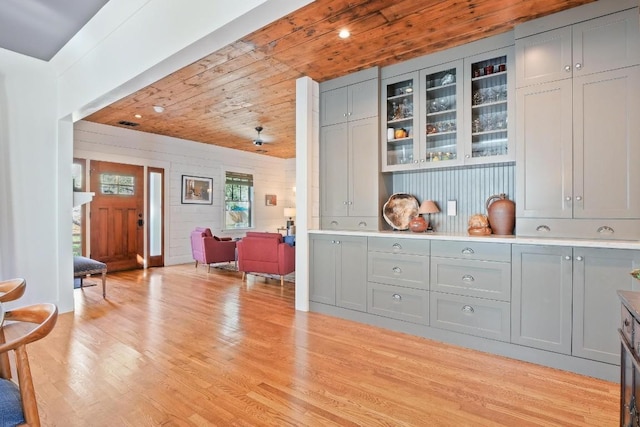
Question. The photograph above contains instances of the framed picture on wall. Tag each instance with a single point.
(270, 200)
(196, 190)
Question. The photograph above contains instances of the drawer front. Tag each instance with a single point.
(399, 245)
(472, 250)
(627, 325)
(484, 279)
(410, 305)
(349, 223)
(399, 269)
(474, 316)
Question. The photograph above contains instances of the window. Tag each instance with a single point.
(77, 215)
(238, 200)
(122, 185)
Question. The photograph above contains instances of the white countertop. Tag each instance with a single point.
(590, 243)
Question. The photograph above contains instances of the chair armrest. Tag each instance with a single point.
(286, 258)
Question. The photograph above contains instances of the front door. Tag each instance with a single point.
(117, 217)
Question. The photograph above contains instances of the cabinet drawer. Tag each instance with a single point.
(410, 305)
(399, 245)
(399, 269)
(349, 223)
(472, 250)
(484, 279)
(474, 316)
(627, 325)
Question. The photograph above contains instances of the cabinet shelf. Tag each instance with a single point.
(490, 132)
(400, 140)
(489, 104)
(442, 134)
(489, 76)
(405, 119)
(439, 113)
(402, 96)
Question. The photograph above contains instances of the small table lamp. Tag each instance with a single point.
(289, 213)
(418, 223)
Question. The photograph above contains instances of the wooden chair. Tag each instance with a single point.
(18, 405)
(12, 289)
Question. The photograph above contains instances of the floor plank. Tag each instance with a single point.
(178, 346)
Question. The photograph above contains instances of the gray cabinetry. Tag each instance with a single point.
(542, 297)
(349, 177)
(338, 273)
(597, 275)
(398, 279)
(577, 130)
(471, 288)
(348, 103)
(588, 47)
(564, 299)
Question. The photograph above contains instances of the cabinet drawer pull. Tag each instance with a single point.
(468, 251)
(397, 246)
(605, 229)
(334, 222)
(397, 270)
(397, 297)
(362, 224)
(468, 278)
(544, 228)
(467, 309)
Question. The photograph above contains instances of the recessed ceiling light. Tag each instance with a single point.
(158, 108)
(138, 116)
(344, 34)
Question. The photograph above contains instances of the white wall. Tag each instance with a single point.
(182, 157)
(29, 176)
(128, 44)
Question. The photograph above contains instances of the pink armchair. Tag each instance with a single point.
(266, 253)
(209, 249)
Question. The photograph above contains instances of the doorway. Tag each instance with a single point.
(117, 215)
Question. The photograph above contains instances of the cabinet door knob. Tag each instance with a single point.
(579, 258)
(344, 114)
(468, 278)
(467, 251)
(467, 156)
(544, 228)
(567, 257)
(397, 297)
(350, 202)
(568, 198)
(567, 68)
(467, 309)
(578, 66)
(337, 242)
(578, 198)
(350, 113)
(397, 270)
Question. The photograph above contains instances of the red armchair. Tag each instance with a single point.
(266, 253)
(209, 249)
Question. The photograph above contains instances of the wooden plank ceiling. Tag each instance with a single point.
(221, 98)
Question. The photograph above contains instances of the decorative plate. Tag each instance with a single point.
(399, 210)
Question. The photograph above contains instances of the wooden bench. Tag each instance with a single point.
(83, 266)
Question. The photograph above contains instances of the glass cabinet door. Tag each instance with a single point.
(442, 114)
(398, 116)
(489, 120)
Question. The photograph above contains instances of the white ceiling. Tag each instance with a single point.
(40, 28)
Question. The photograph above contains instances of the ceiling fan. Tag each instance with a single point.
(259, 141)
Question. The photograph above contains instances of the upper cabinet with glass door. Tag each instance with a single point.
(442, 116)
(399, 109)
(488, 98)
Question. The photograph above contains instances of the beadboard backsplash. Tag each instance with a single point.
(469, 187)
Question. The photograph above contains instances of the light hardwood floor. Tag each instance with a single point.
(176, 346)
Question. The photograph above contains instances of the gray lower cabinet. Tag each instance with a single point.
(398, 278)
(338, 273)
(471, 288)
(564, 299)
(597, 276)
(541, 297)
